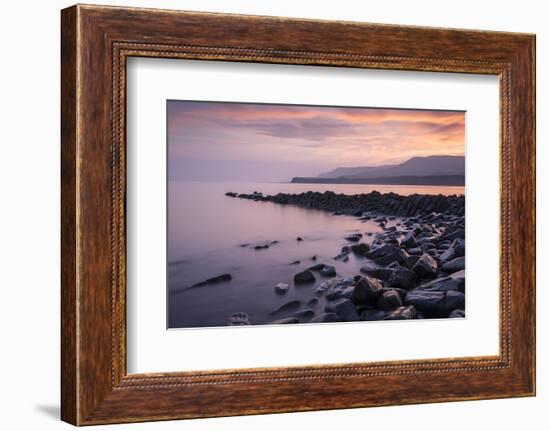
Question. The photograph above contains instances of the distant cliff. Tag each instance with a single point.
(432, 180)
(430, 170)
(417, 166)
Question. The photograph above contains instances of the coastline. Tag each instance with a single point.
(413, 268)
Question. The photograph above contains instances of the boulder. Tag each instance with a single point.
(409, 240)
(325, 318)
(425, 266)
(455, 300)
(214, 280)
(304, 315)
(402, 277)
(431, 304)
(312, 301)
(328, 271)
(390, 300)
(281, 288)
(288, 306)
(361, 249)
(366, 290)
(286, 321)
(317, 267)
(344, 309)
(238, 319)
(454, 265)
(459, 246)
(402, 313)
(304, 277)
(372, 314)
(354, 237)
(457, 314)
(443, 284)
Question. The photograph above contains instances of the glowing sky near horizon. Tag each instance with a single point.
(264, 142)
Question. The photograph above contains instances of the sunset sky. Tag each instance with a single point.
(261, 142)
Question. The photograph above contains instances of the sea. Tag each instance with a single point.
(210, 234)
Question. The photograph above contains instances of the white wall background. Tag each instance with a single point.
(29, 215)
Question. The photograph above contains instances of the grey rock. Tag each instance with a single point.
(402, 313)
(455, 300)
(366, 290)
(289, 306)
(457, 314)
(354, 237)
(238, 319)
(402, 277)
(286, 321)
(317, 267)
(325, 318)
(214, 280)
(390, 300)
(409, 240)
(281, 288)
(454, 265)
(304, 277)
(312, 301)
(431, 304)
(425, 266)
(328, 271)
(304, 315)
(372, 314)
(344, 309)
(361, 249)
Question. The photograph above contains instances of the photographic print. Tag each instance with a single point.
(299, 214)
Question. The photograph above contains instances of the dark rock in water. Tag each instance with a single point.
(314, 257)
(312, 301)
(274, 242)
(403, 277)
(458, 233)
(431, 304)
(261, 247)
(367, 290)
(289, 306)
(238, 319)
(281, 288)
(286, 321)
(409, 240)
(325, 318)
(328, 271)
(402, 313)
(296, 262)
(455, 300)
(214, 280)
(304, 315)
(317, 267)
(344, 309)
(345, 259)
(390, 300)
(372, 314)
(354, 238)
(454, 265)
(454, 281)
(299, 238)
(360, 249)
(457, 314)
(231, 194)
(425, 266)
(304, 277)
(345, 249)
(244, 245)
(370, 268)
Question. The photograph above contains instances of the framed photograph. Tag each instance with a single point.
(264, 215)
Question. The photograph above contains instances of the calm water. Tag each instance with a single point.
(206, 230)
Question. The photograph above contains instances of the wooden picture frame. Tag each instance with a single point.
(96, 41)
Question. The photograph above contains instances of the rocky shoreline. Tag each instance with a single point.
(413, 269)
